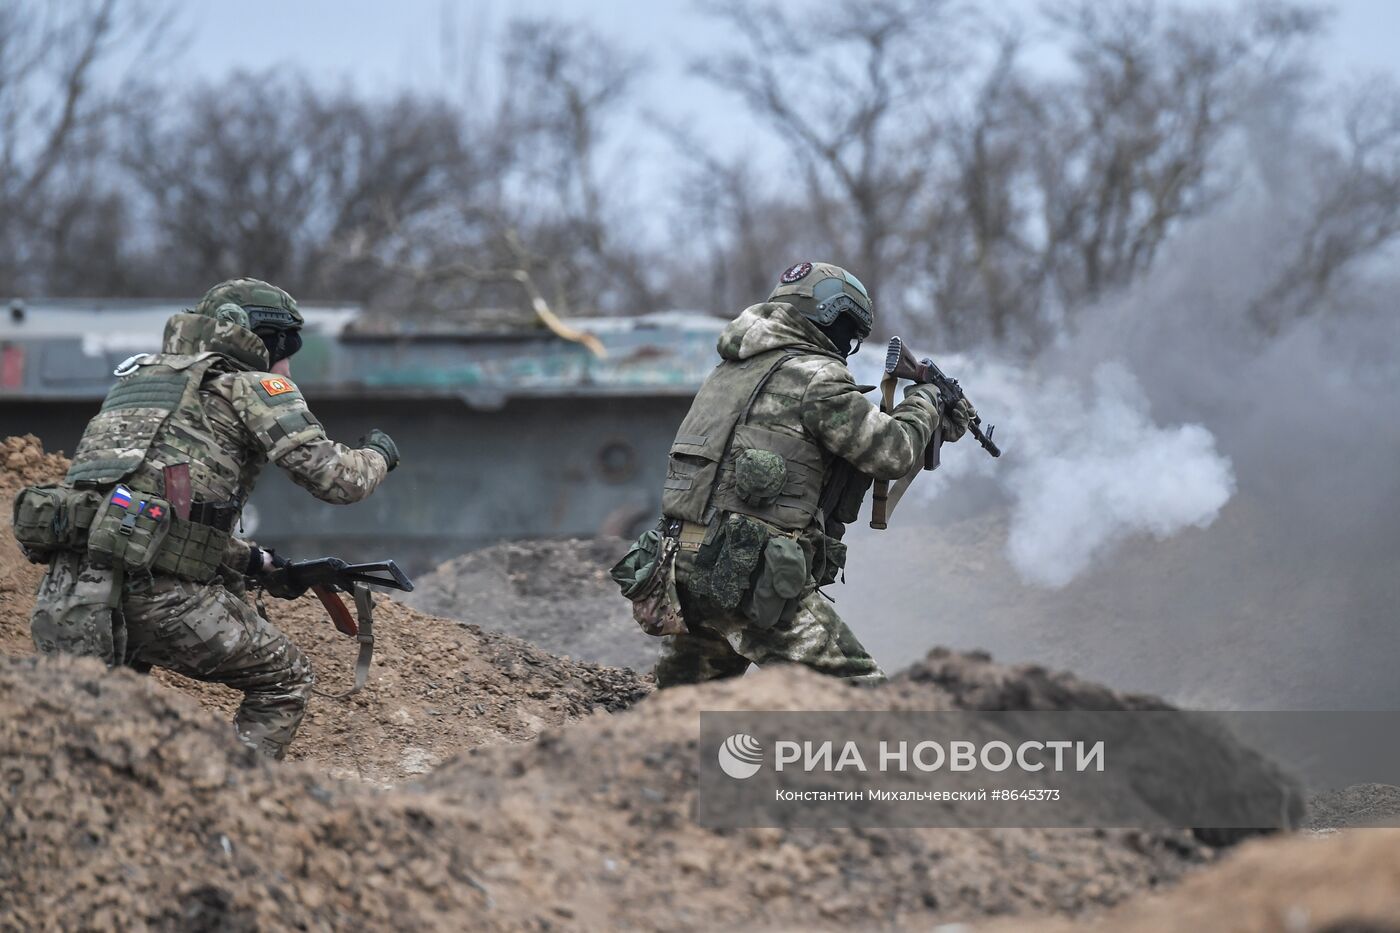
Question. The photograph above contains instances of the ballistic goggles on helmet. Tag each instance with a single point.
(832, 301)
(261, 316)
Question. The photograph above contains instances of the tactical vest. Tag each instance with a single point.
(720, 462)
(152, 419)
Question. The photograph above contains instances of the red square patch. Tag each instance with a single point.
(276, 385)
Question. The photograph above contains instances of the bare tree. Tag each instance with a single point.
(1353, 189)
(264, 175)
(847, 90)
(542, 204)
(53, 121)
(992, 199)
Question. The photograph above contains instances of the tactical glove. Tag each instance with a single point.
(263, 561)
(956, 418)
(378, 440)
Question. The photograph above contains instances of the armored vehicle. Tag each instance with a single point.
(507, 430)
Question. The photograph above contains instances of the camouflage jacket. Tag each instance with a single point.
(807, 408)
(237, 418)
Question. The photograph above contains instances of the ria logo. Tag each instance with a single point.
(740, 756)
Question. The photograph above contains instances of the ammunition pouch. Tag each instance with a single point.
(750, 566)
(52, 518)
(779, 585)
(192, 551)
(647, 576)
(725, 564)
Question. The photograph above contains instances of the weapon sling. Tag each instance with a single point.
(363, 632)
(879, 497)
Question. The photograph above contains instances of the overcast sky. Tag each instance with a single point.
(381, 46)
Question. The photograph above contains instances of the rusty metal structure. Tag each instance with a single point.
(507, 431)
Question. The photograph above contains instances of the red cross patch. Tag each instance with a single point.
(155, 512)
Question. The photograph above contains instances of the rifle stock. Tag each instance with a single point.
(901, 363)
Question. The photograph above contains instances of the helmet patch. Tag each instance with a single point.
(796, 273)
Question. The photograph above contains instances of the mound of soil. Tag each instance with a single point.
(436, 686)
(1343, 883)
(125, 804)
(1357, 805)
(22, 463)
(555, 594)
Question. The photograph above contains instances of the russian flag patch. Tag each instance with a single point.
(121, 497)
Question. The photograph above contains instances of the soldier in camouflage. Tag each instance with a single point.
(205, 414)
(771, 463)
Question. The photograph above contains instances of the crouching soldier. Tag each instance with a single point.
(143, 567)
(771, 463)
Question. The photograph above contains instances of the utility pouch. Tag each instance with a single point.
(128, 531)
(726, 562)
(832, 561)
(759, 476)
(779, 584)
(192, 551)
(647, 576)
(51, 518)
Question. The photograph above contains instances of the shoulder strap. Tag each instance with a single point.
(783, 357)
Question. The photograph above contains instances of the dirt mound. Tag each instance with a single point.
(1217, 760)
(436, 686)
(1345, 883)
(1357, 805)
(22, 463)
(126, 804)
(555, 594)
(605, 807)
(974, 681)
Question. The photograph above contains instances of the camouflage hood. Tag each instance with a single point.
(190, 334)
(772, 325)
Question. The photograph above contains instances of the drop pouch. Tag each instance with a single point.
(128, 535)
(780, 582)
(647, 576)
(52, 517)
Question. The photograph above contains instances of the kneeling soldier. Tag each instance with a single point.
(143, 567)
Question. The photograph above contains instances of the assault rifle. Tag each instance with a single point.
(327, 577)
(900, 363)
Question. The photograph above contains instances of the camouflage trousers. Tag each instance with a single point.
(200, 630)
(723, 643)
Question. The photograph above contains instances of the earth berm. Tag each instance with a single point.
(562, 800)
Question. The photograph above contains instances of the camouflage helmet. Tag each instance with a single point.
(822, 292)
(267, 305)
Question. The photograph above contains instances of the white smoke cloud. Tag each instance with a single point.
(1084, 467)
(1095, 470)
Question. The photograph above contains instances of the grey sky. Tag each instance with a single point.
(430, 44)
(382, 45)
